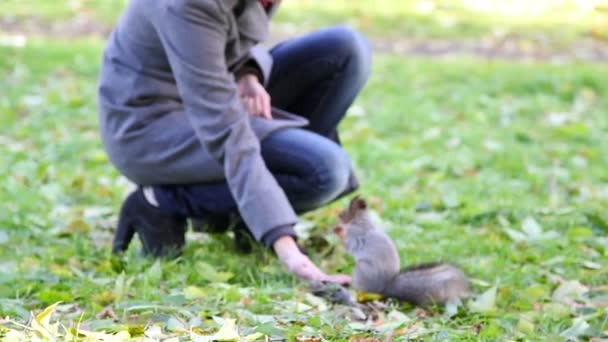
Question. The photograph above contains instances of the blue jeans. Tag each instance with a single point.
(318, 77)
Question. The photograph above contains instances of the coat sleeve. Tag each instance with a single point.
(263, 60)
(193, 34)
(258, 62)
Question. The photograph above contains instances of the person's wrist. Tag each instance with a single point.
(288, 253)
(249, 77)
(284, 246)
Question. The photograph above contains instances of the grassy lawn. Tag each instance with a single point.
(496, 166)
(457, 19)
(105, 11)
(543, 21)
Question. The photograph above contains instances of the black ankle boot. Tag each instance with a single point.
(243, 239)
(211, 223)
(217, 224)
(161, 234)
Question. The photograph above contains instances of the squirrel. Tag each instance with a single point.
(377, 264)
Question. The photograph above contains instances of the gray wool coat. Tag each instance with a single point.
(169, 108)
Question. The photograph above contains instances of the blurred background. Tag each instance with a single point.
(511, 28)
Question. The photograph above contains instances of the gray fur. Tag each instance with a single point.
(377, 265)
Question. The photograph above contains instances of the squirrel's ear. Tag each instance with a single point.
(359, 203)
(354, 203)
(339, 230)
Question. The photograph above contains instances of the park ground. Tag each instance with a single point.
(481, 138)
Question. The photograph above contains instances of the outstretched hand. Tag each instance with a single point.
(254, 97)
(301, 266)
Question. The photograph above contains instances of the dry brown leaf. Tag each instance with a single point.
(107, 313)
(303, 338)
(363, 339)
(410, 329)
(245, 301)
(421, 313)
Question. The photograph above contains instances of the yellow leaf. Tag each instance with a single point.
(199, 338)
(172, 339)
(363, 296)
(105, 337)
(227, 332)
(14, 336)
(486, 302)
(254, 337)
(193, 292)
(41, 322)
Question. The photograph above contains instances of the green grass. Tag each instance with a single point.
(542, 21)
(104, 11)
(456, 19)
(454, 155)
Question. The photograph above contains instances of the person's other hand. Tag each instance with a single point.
(301, 266)
(254, 97)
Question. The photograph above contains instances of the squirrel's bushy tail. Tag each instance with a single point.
(435, 283)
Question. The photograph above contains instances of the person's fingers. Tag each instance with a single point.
(310, 273)
(249, 104)
(303, 268)
(245, 102)
(267, 106)
(341, 279)
(259, 106)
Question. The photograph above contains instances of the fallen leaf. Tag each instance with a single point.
(486, 302)
(227, 331)
(209, 273)
(531, 227)
(579, 327)
(303, 228)
(395, 320)
(600, 301)
(525, 325)
(451, 309)
(41, 322)
(531, 231)
(558, 119)
(107, 313)
(363, 296)
(3, 236)
(254, 337)
(14, 336)
(569, 290)
(591, 265)
(154, 332)
(359, 326)
(421, 313)
(556, 310)
(175, 325)
(193, 292)
(304, 338)
(515, 235)
(155, 272)
(120, 336)
(363, 339)
(318, 302)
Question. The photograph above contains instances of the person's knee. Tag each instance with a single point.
(333, 180)
(355, 48)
